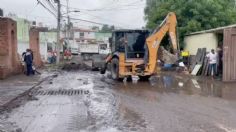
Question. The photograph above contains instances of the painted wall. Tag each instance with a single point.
(46, 40)
(103, 37)
(23, 27)
(205, 40)
(87, 35)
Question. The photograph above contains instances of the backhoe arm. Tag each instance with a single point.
(153, 41)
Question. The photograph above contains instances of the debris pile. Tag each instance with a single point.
(75, 66)
(166, 56)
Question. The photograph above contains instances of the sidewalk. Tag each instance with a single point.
(14, 86)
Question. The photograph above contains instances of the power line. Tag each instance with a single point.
(46, 8)
(105, 19)
(51, 5)
(112, 9)
(88, 21)
(123, 7)
(110, 4)
(93, 22)
(136, 3)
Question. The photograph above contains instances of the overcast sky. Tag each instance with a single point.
(121, 13)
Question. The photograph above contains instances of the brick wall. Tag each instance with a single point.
(9, 59)
(34, 46)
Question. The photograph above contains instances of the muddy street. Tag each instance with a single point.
(88, 101)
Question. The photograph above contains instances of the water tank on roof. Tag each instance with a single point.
(34, 23)
(1, 12)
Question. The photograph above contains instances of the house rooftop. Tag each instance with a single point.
(82, 30)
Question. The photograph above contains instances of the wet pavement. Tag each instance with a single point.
(13, 86)
(87, 101)
(179, 103)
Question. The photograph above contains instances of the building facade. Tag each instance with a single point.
(47, 41)
(205, 40)
(23, 27)
(222, 37)
(84, 35)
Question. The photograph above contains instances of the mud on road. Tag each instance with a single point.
(87, 101)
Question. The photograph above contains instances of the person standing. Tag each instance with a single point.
(33, 67)
(54, 56)
(23, 62)
(28, 61)
(49, 57)
(212, 56)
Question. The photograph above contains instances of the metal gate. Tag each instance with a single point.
(229, 55)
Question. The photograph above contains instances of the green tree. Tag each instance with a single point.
(95, 28)
(192, 15)
(107, 28)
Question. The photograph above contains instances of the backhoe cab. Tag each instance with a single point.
(134, 52)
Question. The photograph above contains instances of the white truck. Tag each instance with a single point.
(96, 53)
(74, 47)
(89, 51)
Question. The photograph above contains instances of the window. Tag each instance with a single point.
(81, 34)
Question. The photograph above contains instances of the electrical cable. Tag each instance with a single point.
(111, 8)
(98, 17)
(51, 5)
(46, 8)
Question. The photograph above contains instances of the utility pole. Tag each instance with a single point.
(58, 47)
(68, 25)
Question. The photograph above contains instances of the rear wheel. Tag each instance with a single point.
(144, 78)
(94, 67)
(115, 69)
(103, 68)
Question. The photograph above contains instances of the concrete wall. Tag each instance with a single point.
(22, 46)
(9, 59)
(205, 40)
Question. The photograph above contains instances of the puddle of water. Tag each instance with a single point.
(172, 83)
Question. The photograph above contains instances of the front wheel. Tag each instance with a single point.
(144, 78)
(115, 69)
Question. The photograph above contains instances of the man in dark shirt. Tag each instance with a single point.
(28, 60)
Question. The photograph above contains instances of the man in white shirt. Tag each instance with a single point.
(212, 56)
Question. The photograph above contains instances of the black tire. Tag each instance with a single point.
(103, 69)
(144, 78)
(115, 69)
(129, 78)
(94, 67)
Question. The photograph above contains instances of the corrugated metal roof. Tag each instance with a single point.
(219, 29)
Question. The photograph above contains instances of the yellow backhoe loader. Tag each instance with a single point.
(134, 52)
